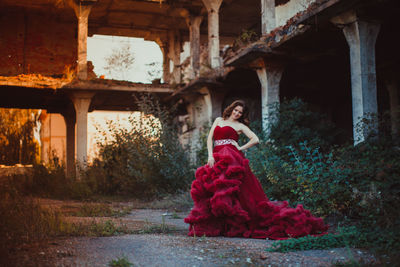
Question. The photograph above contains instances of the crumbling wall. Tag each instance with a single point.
(35, 42)
(291, 8)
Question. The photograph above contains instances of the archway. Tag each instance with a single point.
(244, 84)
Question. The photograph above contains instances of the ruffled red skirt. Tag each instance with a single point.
(229, 201)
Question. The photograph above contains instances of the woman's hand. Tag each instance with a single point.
(211, 161)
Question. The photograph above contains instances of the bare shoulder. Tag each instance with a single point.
(243, 127)
(216, 121)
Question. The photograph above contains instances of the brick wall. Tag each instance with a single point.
(34, 42)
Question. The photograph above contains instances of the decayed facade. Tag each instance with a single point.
(339, 55)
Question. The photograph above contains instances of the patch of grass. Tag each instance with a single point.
(107, 228)
(161, 228)
(24, 221)
(344, 238)
(157, 229)
(175, 216)
(178, 202)
(98, 210)
(120, 262)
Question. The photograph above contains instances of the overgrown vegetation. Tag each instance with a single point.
(22, 220)
(301, 162)
(146, 161)
(246, 37)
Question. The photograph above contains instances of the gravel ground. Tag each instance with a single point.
(178, 249)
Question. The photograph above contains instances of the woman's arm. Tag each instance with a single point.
(211, 160)
(251, 135)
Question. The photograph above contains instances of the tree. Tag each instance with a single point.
(119, 62)
(17, 142)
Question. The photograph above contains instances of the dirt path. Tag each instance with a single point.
(178, 249)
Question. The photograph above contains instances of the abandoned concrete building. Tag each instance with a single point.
(341, 56)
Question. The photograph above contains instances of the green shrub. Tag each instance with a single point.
(147, 160)
(295, 123)
(272, 160)
(359, 184)
(299, 163)
(374, 181)
(50, 181)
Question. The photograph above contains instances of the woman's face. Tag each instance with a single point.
(237, 112)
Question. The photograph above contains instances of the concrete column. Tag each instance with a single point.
(361, 38)
(69, 118)
(194, 23)
(82, 13)
(213, 32)
(268, 21)
(177, 59)
(174, 49)
(270, 77)
(392, 87)
(166, 70)
(81, 101)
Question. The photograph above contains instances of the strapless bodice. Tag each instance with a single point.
(225, 132)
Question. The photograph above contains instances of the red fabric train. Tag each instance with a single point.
(229, 201)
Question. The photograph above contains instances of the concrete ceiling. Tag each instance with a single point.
(150, 19)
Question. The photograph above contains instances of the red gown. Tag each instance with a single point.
(229, 201)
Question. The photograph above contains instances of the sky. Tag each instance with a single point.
(100, 47)
(144, 52)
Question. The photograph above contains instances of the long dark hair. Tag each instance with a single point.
(228, 111)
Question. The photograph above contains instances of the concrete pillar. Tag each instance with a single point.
(270, 77)
(174, 49)
(268, 21)
(393, 89)
(70, 119)
(361, 37)
(213, 32)
(166, 70)
(82, 12)
(81, 101)
(200, 110)
(177, 59)
(194, 23)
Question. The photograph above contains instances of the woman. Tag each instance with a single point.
(228, 198)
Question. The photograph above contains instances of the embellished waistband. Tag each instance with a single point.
(221, 142)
